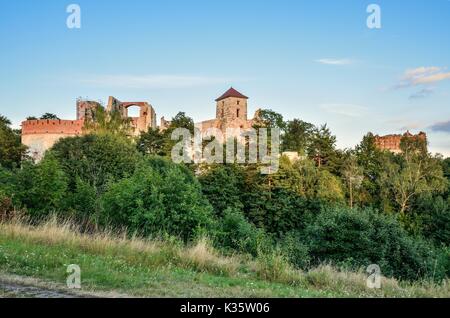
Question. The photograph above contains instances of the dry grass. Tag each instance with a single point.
(202, 257)
(205, 258)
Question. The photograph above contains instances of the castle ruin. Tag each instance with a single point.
(392, 142)
(231, 112)
(41, 135)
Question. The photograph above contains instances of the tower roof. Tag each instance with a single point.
(231, 93)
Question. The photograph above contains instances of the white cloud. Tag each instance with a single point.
(345, 109)
(423, 76)
(153, 81)
(334, 61)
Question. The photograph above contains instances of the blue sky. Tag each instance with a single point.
(313, 60)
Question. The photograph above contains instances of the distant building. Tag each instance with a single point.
(41, 135)
(392, 142)
(231, 112)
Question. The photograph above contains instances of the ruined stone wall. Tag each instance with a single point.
(86, 109)
(41, 135)
(392, 142)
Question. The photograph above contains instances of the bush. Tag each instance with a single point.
(83, 202)
(96, 159)
(151, 202)
(236, 233)
(40, 188)
(432, 215)
(221, 185)
(296, 252)
(278, 211)
(358, 238)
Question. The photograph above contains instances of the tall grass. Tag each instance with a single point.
(200, 256)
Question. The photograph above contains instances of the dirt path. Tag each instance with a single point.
(13, 286)
(13, 290)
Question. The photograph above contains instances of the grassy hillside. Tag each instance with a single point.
(114, 263)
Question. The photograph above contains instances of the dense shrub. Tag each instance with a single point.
(278, 211)
(358, 238)
(431, 217)
(295, 250)
(82, 203)
(222, 186)
(40, 188)
(151, 202)
(96, 159)
(236, 233)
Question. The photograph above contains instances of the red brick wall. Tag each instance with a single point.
(70, 127)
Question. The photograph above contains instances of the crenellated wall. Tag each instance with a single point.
(40, 135)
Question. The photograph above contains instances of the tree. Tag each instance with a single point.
(222, 186)
(415, 173)
(11, 149)
(371, 159)
(322, 147)
(153, 202)
(297, 136)
(41, 187)
(309, 181)
(446, 167)
(357, 237)
(353, 176)
(96, 159)
(267, 118)
(151, 142)
(49, 116)
(179, 121)
(32, 118)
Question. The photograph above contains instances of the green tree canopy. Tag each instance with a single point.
(298, 136)
(96, 159)
(49, 116)
(11, 149)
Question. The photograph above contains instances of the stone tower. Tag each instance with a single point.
(231, 108)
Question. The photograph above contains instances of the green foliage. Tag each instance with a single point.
(151, 202)
(370, 159)
(105, 122)
(412, 174)
(49, 116)
(298, 136)
(308, 181)
(40, 188)
(353, 177)
(151, 142)
(432, 218)
(96, 159)
(322, 147)
(222, 187)
(358, 238)
(236, 233)
(267, 118)
(179, 121)
(11, 149)
(446, 167)
(83, 202)
(295, 250)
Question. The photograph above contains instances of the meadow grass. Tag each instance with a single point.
(115, 262)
